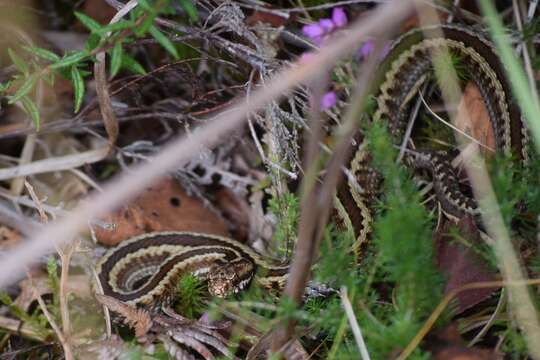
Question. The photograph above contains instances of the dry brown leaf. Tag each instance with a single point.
(461, 265)
(447, 344)
(236, 210)
(98, 10)
(8, 237)
(477, 123)
(164, 206)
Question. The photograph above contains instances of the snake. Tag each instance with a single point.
(143, 270)
(402, 73)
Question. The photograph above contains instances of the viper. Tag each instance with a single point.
(142, 270)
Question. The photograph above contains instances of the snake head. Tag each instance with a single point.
(229, 278)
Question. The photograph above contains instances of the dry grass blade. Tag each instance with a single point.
(59, 163)
(102, 87)
(446, 300)
(508, 262)
(354, 324)
(68, 353)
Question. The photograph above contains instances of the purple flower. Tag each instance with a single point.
(313, 31)
(366, 49)
(328, 100)
(327, 25)
(339, 18)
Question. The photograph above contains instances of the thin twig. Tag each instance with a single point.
(492, 319)
(526, 57)
(43, 216)
(448, 298)
(410, 124)
(54, 164)
(453, 127)
(354, 324)
(65, 344)
(65, 256)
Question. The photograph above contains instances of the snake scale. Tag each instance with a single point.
(143, 269)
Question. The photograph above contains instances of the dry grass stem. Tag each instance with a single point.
(17, 327)
(68, 353)
(508, 262)
(354, 324)
(42, 215)
(59, 163)
(446, 301)
(106, 313)
(18, 222)
(526, 57)
(102, 87)
(65, 253)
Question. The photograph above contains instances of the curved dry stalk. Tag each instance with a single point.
(447, 299)
(102, 87)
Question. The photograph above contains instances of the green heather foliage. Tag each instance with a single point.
(36, 320)
(287, 210)
(403, 238)
(403, 232)
(191, 295)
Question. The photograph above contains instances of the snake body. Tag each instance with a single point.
(405, 70)
(143, 269)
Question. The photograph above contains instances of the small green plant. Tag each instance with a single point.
(36, 65)
(191, 295)
(36, 320)
(286, 208)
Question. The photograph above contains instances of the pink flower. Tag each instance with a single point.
(328, 100)
(339, 18)
(366, 49)
(327, 25)
(313, 31)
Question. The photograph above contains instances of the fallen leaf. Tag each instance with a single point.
(447, 344)
(461, 265)
(236, 210)
(473, 118)
(8, 237)
(266, 18)
(99, 10)
(164, 206)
